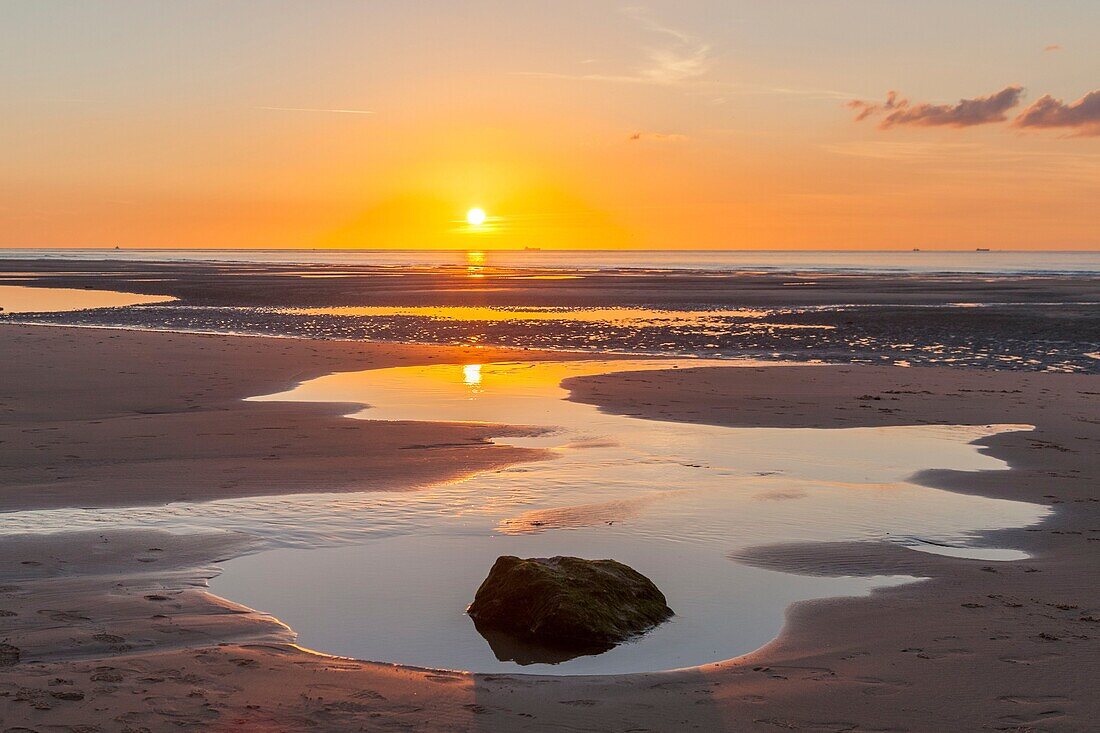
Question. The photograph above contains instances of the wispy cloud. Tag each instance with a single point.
(1053, 47)
(679, 59)
(900, 151)
(682, 56)
(320, 109)
(701, 86)
(895, 111)
(1082, 117)
(664, 137)
(796, 92)
(976, 159)
(682, 60)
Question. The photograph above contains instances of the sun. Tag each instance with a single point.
(475, 217)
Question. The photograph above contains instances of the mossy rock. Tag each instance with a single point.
(568, 601)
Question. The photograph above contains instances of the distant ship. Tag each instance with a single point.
(982, 249)
(916, 249)
(532, 249)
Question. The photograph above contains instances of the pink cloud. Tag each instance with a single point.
(658, 136)
(1081, 117)
(897, 112)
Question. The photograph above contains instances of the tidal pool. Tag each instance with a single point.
(627, 316)
(386, 576)
(23, 299)
(672, 500)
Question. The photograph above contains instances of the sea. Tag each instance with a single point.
(885, 261)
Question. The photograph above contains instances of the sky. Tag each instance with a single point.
(696, 124)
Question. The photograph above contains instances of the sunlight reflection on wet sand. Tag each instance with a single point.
(387, 575)
(20, 299)
(671, 499)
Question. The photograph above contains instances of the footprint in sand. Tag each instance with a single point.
(1029, 660)
(9, 655)
(65, 616)
(106, 674)
(68, 695)
(1033, 699)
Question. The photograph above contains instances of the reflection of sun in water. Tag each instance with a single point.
(474, 263)
(471, 375)
(475, 217)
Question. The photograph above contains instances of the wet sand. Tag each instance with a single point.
(105, 417)
(1047, 322)
(304, 285)
(113, 631)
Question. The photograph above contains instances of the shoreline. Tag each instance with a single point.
(525, 351)
(802, 677)
(248, 284)
(1023, 323)
(665, 258)
(208, 396)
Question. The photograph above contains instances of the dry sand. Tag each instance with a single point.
(112, 631)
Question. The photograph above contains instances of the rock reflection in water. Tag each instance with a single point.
(512, 648)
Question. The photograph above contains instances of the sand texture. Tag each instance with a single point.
(113, 630)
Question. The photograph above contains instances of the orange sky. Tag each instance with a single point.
(690, 125)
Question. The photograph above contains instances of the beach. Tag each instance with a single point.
(544, 367)
(1034, 320)
(113, 630)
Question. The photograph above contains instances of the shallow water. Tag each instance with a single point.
(670, 499)
(387, 575)
(1017, 337)
(633, 317)
(21, 299)
(826, 261)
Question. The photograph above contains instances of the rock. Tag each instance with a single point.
(568, 602)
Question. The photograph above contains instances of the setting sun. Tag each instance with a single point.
(475, 217)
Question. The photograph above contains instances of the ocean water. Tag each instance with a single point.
(930, 261)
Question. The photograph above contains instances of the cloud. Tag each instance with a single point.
(698, 86)
(664, 137)
(315, 109)
(896, 111)
(1082, 116)
(680, 60)
(914, 151)
(682, 57)
(1059, 164)
(867, 109)
(1053, 47)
